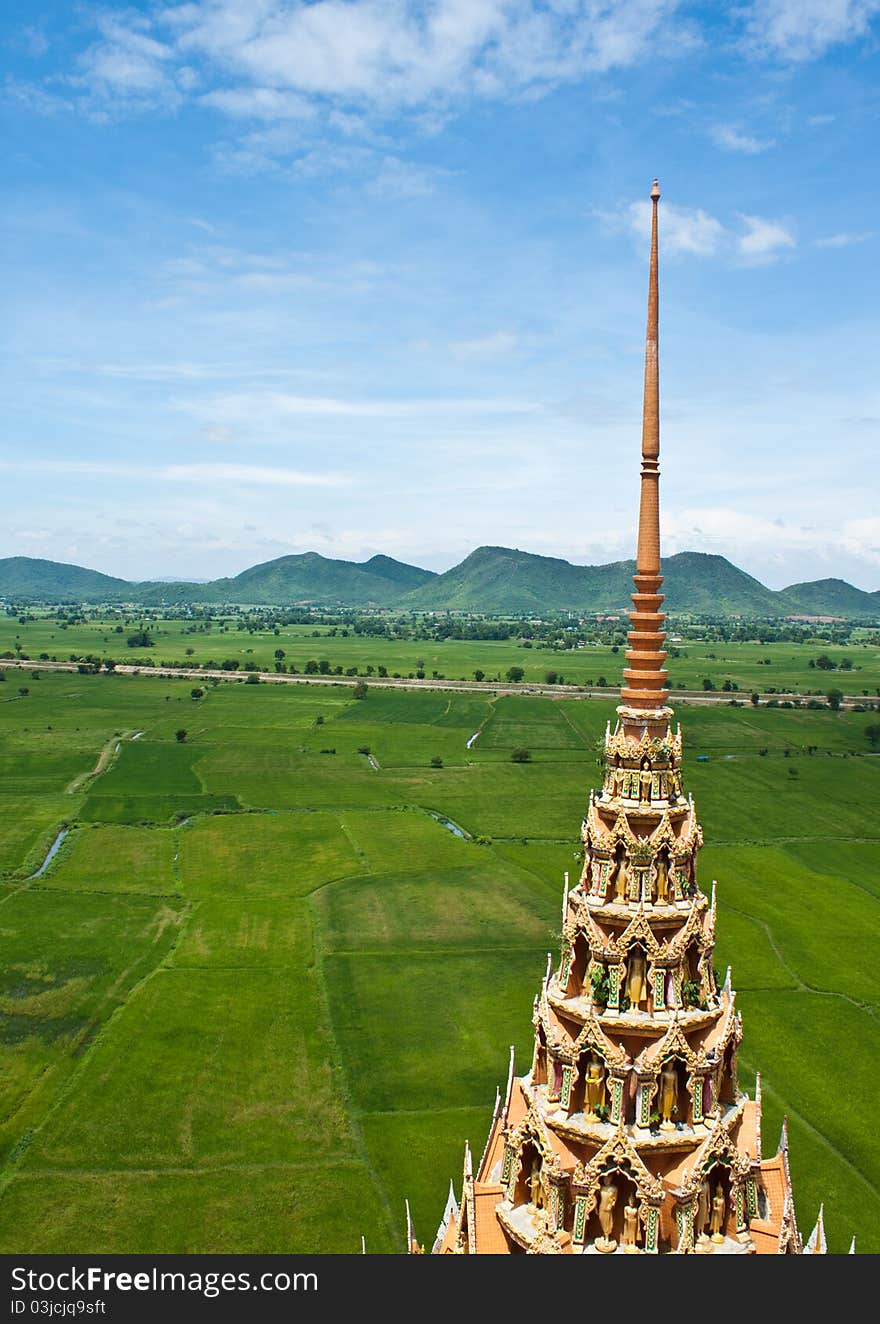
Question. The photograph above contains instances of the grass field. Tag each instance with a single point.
(753, 666)
(261, 993)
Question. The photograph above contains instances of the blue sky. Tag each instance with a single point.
(370, 276)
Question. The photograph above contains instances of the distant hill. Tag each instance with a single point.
(305, 579)
(831, 597)
(33, 579)
(701, 582)
(505, 579)
(491, 579)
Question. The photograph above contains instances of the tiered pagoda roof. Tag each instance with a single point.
(630, 1132)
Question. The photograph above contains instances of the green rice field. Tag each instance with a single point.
(262, 993)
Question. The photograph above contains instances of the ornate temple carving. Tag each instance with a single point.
(630, 1133)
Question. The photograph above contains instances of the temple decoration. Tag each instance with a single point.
(630, 1133)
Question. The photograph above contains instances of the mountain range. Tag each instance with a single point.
(490, 580)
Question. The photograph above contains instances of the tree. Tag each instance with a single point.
(825, 663)
(180, 735)
(280, 655)
(520, 756)
(756, 699)
(515, 674)
(708, 684)
(478, 674)
(872, 733)
(835, 699)
(360, 690)
(196, 693)
(436, 761)
(551, 677)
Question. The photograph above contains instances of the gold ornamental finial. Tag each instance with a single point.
(644, 678)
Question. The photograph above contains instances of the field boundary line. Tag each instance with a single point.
(359, 852)
(389, 953)
(579, 734)
(767, 1088)
(800, 986)
(343, 1087)
(81, 1062)
(186, 1170)
(107, 756)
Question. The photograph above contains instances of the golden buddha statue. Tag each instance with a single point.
(662, 877)
(701, 1219)
(637, 979)
(668, 1101)
(621, 879)
(607, 1200)
(719, 1213)
(536, 1191)
(594, 1087)
(631, 1229)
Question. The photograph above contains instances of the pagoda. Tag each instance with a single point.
(630, 1133)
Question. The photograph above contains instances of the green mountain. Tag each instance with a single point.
(491, 579)
(504, 579)
(703, 583)
(30, 578)
(305, 579)
(831, 597)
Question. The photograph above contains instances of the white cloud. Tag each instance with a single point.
(497, 343)
(763, 239)
(127, 59)
(244, 407)
(685, 230)
(249, 473)
(403, 52)
(258, 103)
(694, 232)
(733, 140)
(750, 538)
(844, 239)
(799, 30)
(272, 60)
(34, 98)
(178, 473)
(861, 537)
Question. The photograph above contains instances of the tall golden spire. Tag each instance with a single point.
(645, 677)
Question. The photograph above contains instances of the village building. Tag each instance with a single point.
(630, 1132)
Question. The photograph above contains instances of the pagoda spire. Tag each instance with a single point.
(629, 1131)
(645, 677)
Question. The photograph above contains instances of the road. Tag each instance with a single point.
(714, 697)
